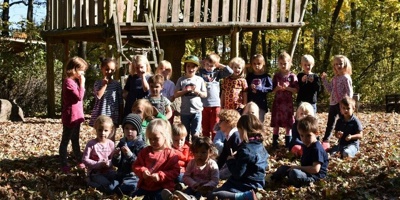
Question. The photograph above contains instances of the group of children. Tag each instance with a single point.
(154, 155)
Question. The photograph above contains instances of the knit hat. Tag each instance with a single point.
(192, 59)
(135, 120)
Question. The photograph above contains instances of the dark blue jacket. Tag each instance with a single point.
(232, 143)
(124, 162)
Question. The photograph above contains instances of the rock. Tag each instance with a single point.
(10, 111)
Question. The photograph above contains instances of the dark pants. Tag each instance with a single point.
(67, 135)
(334, 111)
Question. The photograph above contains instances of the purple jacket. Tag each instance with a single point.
(72, 109)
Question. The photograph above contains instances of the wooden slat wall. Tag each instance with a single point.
(274, 9)
(163, 10)
(282, 12)
(297, 10)
(176, 9)
(214, 10)
(253, 10)
(264, 11)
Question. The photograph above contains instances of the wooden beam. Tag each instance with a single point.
(296, 32)
(235, 42)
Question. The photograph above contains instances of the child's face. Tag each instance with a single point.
(155, 89)
(284, 64)
(307, 137)
(237, 69)
(139, 110)
(178, 141)
(258, 65)
(307, 66)
(166, 72)
(108, 70)
(141, 68)
(224, 126)
(301, 113)
(157, 140)
(191, 68)
(338, 64)
(78, 74)
(347, 111)
(209, 66)
(130, 132)
(201, 156)
(103, 131)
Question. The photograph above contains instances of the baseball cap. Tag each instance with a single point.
(192, 59)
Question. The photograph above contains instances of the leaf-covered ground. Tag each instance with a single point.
(29, 164)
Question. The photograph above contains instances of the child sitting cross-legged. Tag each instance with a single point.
(314, 161)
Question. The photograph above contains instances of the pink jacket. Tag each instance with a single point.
(72, 108)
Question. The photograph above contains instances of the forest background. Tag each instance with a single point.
(366, 31)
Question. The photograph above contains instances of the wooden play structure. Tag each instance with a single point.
(159, 28)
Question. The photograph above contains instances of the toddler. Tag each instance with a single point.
(157, 165)
(156, 98)
(314, 161)
(251, 108)
(285, 85)
(309, 83)
(97, 157)
(165, 69)
(126, 153)
(181, 146)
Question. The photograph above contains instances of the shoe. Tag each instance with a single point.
(183, 196)
(326, 146)
(166, 194)
(66, 169)
(81, 166)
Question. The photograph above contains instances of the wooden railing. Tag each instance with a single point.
(67, 14)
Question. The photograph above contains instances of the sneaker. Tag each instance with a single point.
(66, 169)
(326, 146)
(166, 194)
(81, 166)
(183, 196)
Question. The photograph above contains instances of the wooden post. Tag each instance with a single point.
(296, 32)
(51, 99)
(235, 42)
(174, 48)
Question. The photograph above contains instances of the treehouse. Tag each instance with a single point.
(159, 28)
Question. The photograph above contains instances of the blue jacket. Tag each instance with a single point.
(124, 162)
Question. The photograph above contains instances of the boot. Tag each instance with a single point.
(275, 140)
(288, 139)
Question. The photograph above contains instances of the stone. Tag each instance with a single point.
(9, 110)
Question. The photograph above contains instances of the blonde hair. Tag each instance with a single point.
(251, 127)
(213, 58)
(252, 108)
(178, 129)
(258, 56)
(103, 119)
(284, 56)
(239, 61)
(346, 64)
(74, 64)
(137, 60)
(167, 65)
(147, 108)
(161, 126)
(231, 116)
(306, 108)
(308, 58)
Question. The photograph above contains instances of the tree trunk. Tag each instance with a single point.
(353, 22)
(264, 44)
(243, 48)
(5, 17)
(331, 34)
(29, 14)
(216, 44)
(317, 52)
(254, 42)
(203, 48)
(82, 49)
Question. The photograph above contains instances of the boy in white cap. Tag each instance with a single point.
(126, 153)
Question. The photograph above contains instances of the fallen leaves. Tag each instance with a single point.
(29, 166)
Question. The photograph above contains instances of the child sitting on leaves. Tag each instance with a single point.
(181, 146)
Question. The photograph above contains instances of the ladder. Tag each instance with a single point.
(127, 44)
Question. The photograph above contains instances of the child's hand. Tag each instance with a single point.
(146, 174)
(104, 163)
(117, 151)
(105, 80)
(304, 78)
(125, 150)
(339, 134)
(155, 177)
(323, 75)
(82, 79)
(348, 138)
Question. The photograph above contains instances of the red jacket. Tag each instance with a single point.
(72, 109)
(185, 155)
(162, 162)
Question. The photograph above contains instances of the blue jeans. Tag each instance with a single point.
(299, 178)
(67, 135)
(104, 182)
(192, 122)
(347, 151)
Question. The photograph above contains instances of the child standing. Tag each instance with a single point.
(181, 146)
(303, 110)
(147, 112)
(108, 95)
(165, 69)
(191, 88)
(260, 84)
(156, 98)
(227, 123)
(157, 165)
(285, 85)
(234, 87)
(212, 72)
(201, 174)
(314, 161)
(136, 86)
(348, 129)
(340, 86)
(247, 163)
(72, 110)
(97, 157)
(309, 83)
(126, 154)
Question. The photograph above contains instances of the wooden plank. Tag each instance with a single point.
(54, 16)
(264, 11)
(297, 11)
(205, 11)
(215, 10)
(130, 9)
(100, 12)
(68, 14)
(274, 10)
(176, 10)
(290, 17)
(225, 10)
(120, 10)
(197, 10)
(253, 10)
(282, 12)
(78, 13)
(164, 10)
(91, 16)
(60, 15)
(186, 12)
(242, 10)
